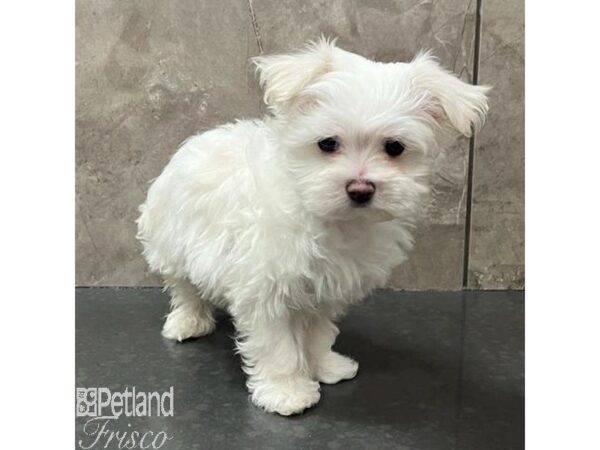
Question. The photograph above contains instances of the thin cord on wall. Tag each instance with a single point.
(255, 26)
(471, 159)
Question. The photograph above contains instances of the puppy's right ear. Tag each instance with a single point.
(284, 77)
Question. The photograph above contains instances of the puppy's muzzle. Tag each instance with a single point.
(360, 191)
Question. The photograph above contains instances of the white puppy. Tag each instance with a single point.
(288, 220)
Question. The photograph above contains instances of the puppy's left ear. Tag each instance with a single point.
(463, 105)
(283, 77)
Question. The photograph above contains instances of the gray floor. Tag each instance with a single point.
(438, 371)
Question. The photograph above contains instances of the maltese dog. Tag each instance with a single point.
(286, 221)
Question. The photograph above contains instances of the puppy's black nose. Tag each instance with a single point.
(360, 191)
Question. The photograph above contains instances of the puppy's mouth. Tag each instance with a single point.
(369, 211)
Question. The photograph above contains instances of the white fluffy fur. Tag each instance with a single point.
(253, 217)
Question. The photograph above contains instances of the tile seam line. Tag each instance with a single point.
(459, 379)
(427, 291)
(471, 155)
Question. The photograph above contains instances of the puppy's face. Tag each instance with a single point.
(358, 136)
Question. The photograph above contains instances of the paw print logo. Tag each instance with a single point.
(86, 402)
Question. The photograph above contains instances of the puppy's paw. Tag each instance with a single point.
(285, 396)
(182, 324)
(334, 368)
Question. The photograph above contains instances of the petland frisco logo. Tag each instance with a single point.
(102, 406)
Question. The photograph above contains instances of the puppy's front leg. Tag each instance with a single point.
(272, 349)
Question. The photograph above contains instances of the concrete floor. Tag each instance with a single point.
(439, 370)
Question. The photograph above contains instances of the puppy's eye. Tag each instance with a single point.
(394, 148)
(328, 145)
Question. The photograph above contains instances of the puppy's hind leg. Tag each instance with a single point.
(327, 366)
(191, 315)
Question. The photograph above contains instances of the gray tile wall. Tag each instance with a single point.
(498, 228)
(150, 73)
